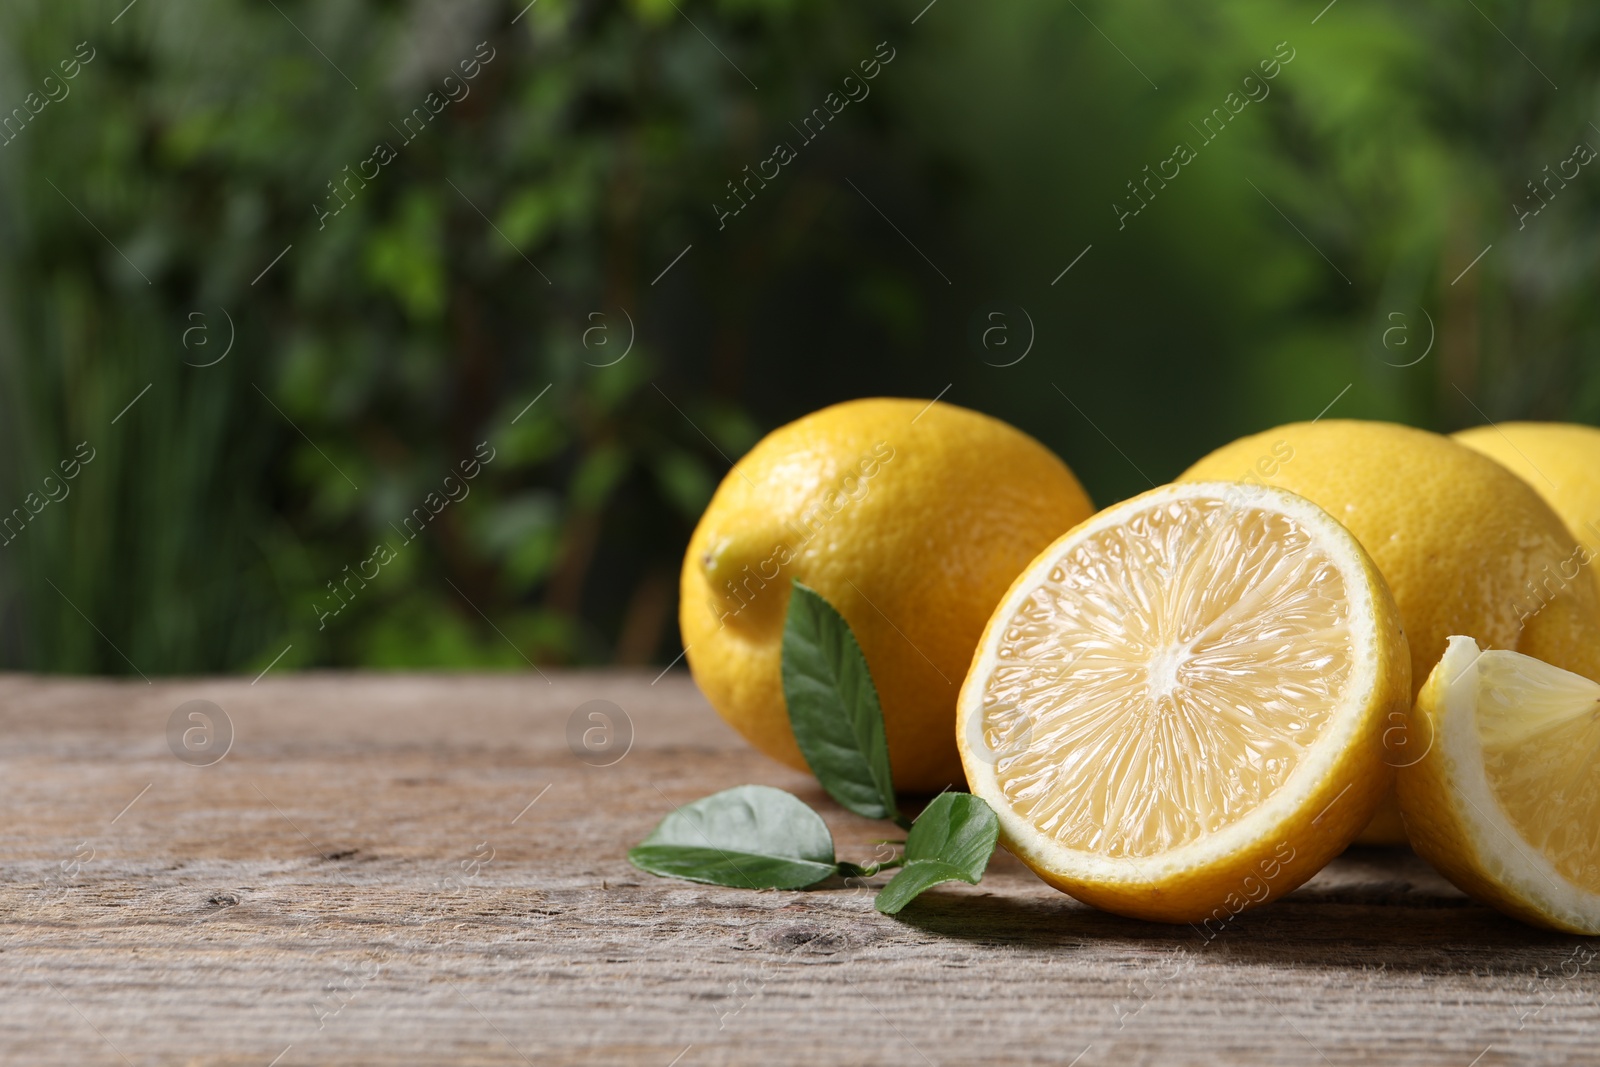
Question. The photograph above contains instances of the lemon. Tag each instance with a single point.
(1177, 710)
(1456, 535)
(1506, 803)
(1562, 463)
(911, 519)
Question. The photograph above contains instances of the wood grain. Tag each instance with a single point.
(362, 880)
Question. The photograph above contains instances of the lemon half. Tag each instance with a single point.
(1506, 802)
(1177, 709)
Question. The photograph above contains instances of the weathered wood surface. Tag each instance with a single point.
(361, 880)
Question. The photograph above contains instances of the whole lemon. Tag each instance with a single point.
(1460, 540)
(1561, 461)
(912, 519)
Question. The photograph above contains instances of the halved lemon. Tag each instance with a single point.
(1177, 711)
(1506, 801)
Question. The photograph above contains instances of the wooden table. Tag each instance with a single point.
(418, 869)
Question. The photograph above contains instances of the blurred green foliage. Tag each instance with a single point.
(509, 252)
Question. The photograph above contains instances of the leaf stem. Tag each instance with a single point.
(852, 870)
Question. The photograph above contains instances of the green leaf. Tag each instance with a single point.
(833, 706)
(684, 481)
(749, 837)
(404, 257)
(598, 474)
(951, 840)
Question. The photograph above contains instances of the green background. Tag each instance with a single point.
(1310, 255)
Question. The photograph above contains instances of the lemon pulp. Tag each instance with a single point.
(1167, 683)
(1540, 731)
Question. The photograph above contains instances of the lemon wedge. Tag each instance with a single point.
(1506, 800)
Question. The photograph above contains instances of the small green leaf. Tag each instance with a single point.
(951, 840)
(909, 882)
(748, 837)
(833, 706)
